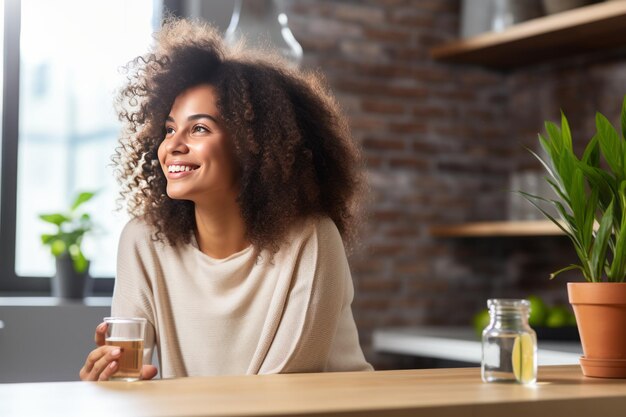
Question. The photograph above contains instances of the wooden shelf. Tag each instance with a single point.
(495, 229)
(585, 29)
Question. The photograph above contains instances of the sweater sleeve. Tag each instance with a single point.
(321, 290)
(132, 294)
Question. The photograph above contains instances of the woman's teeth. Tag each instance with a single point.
(179, 168)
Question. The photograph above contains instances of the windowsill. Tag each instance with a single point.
(54, 301)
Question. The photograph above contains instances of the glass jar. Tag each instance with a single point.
(509, 344)
(264, 25)
(506, 13)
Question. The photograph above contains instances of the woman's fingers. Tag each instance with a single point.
(148, 371)
(108, 371)
(99, 336)
(102, 364)
(97, 362)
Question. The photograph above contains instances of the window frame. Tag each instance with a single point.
(10, 283)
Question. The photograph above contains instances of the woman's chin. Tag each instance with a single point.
(177, 194)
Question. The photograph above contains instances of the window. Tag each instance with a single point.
(62, 62)
(1, 78)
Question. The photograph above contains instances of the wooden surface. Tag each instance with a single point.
(562, 391)
(585, 29)
(503, 228)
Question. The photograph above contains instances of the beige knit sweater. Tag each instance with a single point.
(241, 315)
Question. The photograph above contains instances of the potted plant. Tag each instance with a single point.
(72, 267)
(591, 207)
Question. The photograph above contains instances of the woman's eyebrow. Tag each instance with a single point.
(201, 116)
(195, 117)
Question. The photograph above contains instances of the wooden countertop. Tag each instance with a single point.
(561, 390)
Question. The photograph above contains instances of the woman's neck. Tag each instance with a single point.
(220, 229)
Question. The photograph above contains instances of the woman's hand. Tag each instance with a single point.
(102, 363)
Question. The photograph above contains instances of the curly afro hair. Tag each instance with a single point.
(296, 156)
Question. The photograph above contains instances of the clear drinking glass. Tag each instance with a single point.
(509, 344)
(128, 334)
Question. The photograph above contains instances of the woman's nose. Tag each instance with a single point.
(176, 144)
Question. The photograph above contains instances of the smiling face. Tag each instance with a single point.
(196, 155)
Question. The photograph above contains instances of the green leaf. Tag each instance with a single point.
(599, 179)
(82, 198)
(578, 204)
(590, 216)
(569, 220)
(566, 135)
(555, 136)
(610, 145)
(566, 168)
(54, 218)
(572, 233)
(601, 242)
(79, 260)
(544, 163)
(618, 265)
(623, 118)
(547, 146)
(616, 272)
(58, 247)
(591, 156)
(46, 239)
(555, 187)
(530, 198)
(586, 266)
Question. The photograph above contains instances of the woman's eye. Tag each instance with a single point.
(169, 130)
(200, 129)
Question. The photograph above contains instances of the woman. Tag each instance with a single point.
(242, 180)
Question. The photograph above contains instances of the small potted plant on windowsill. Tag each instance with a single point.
(591, 206)
(72, 267)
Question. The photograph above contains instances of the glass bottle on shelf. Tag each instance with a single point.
(506, 13)
(263, 24)
(509, 344)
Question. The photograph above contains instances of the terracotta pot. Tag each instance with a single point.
(600, 309)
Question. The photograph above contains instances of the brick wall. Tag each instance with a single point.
(440, 142)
